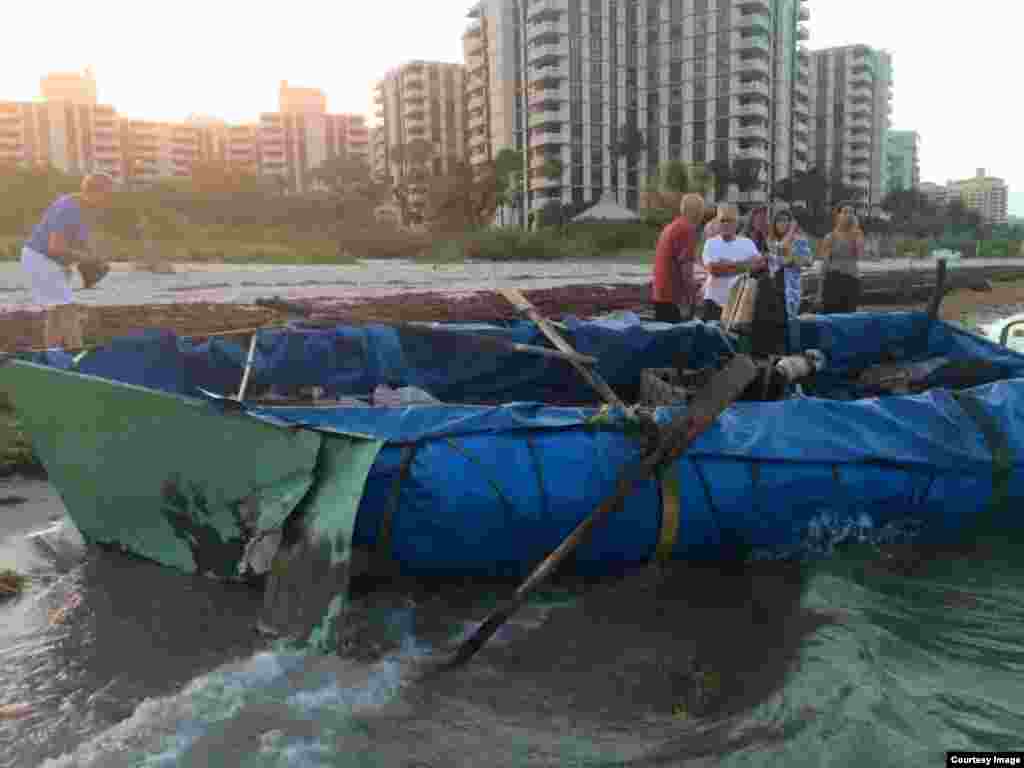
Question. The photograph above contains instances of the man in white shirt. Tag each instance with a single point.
(726, 257)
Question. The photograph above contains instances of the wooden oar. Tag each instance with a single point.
(492, 342)
(592, 377)
(704, 409)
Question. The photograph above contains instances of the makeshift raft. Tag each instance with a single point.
(152, 455)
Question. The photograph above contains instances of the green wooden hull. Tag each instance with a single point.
(162, 476)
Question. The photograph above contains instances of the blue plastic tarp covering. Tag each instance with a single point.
(763, 479)
(353, 361)
(492, 489)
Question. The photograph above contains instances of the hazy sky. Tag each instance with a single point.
(954, 76)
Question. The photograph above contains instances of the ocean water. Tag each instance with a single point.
(882, 655)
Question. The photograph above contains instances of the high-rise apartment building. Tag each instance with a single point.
(616, 88)
(292, 146)
(69, 130)
(851, 94)
(903, 158)
(984, 194)
(421, 101)
(292, 100)
(76, 138)
(295, 142)
(70, 88)
(158, 150)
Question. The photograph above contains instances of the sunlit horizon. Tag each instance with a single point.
(192, 62)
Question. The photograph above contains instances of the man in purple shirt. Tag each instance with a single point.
(59, 241)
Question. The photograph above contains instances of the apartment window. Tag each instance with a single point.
(675, 134)
(675, 72)
(596, 180)
(699, 152)
(595, 71)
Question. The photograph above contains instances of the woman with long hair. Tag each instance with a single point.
(789, 251)
(840, 253)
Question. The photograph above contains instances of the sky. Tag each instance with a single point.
(953, 76)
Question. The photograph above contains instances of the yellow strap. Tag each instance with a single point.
(668, 476)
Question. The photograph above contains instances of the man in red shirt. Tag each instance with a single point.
(674, 281)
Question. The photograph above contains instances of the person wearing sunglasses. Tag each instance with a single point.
(726, 257)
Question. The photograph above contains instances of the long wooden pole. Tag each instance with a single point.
(522, 304)
(706, 407)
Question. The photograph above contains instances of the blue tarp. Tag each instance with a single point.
(493, 489)
(348, 360)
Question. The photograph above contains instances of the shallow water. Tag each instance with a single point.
(859, 661)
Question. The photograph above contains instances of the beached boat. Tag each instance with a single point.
(152, 454)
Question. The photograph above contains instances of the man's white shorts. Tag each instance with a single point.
(51, 284)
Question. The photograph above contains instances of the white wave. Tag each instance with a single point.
(325, 689)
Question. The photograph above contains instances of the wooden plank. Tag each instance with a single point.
(592, 377)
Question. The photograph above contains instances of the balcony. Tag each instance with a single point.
(752, 88)
(802, 34)
(753, 68)
(415, 115)
(478, 139)
(753, 45)
(752, 153)
(860, 123)
(549, 114)
(547, 135)
(475, 29)
(541, 10)
(754, 22)
(753, 109)
(863, 82)
(476, 102)
(548, 53)
(752, 132)
(860, 155)
(755, 6)
(804, 14)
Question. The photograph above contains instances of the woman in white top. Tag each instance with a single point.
(726, 257)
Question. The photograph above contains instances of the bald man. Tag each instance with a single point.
(59, 241)
(675, 286)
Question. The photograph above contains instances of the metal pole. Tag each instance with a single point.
(524, 82)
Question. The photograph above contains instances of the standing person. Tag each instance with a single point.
(726, 257)
(840, 253)
(675, 285)
(789, 251)
(757, 228)
(59, 241)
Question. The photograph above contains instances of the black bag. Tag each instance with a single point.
(768, 332)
